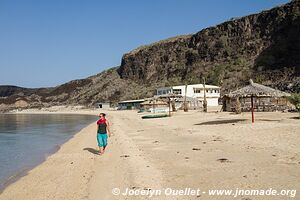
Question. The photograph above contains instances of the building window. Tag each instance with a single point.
(177, 91)
(165, 91)
(197, 90)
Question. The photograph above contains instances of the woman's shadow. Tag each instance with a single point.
(94, 151)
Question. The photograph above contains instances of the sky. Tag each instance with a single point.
(44, 43)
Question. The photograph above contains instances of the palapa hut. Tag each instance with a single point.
(177, 101)
(256, 97)
(161, 103)
(153, 103)
(170, 98)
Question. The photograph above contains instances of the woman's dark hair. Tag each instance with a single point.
(103, 114)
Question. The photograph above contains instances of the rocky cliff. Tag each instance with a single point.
(263, 46)
(228, 54)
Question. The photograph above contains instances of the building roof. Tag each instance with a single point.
(133, 101)
(169, 95)
(162, 88)
(198, 86)
(192, 85)
(255, 89)
(154, 102)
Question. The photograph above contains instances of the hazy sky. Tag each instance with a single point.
(49, 42)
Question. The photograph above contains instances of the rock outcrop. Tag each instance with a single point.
(227, 54)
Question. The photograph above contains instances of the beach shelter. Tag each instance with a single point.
(153, 102)
(168, 96)
(254, 90)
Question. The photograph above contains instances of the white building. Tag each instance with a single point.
(194, 91)
(103, 105)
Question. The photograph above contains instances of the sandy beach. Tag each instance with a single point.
(189, 150)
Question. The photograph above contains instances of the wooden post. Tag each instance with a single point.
(169, 107)
(252, 109)
(204, 97)
(238, 109)
(153, 106)
(185, 108)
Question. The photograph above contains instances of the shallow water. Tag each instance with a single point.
(27, 139)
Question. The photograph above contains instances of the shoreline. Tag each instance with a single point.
(24, 172)
(36, 170)
(204, 150)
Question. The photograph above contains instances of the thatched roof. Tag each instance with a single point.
(153, 102)
(257, 90)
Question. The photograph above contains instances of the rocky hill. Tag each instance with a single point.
(227, 54)
(263, 46)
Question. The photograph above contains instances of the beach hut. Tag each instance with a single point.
(170, 99)
(161, 103)
(258, 91)
(155, 104)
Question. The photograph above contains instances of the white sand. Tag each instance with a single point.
(176, 152)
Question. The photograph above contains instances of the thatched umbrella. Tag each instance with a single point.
(257, 90)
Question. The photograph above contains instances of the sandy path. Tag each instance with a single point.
(124, 165)
(235, 154)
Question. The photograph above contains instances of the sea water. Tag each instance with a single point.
(27, 139)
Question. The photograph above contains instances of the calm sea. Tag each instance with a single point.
(27, 139)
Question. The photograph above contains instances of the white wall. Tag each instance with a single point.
(104, 106)
(190, 90)
(212, 102)
(212, 95)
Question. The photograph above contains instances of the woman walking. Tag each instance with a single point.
(102, 133)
